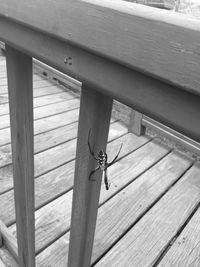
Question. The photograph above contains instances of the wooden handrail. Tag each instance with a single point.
(145, 58)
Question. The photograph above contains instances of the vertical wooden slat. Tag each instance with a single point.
(95, 112)
(135, 125)
(20, 88)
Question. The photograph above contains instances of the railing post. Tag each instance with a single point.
(95, 112)
(20, 88)
(135, 124)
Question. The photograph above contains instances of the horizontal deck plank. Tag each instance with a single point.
(144, 243)
(58, 181)
(36, 93)
(137, 197)
(44, 124)
(185, 250)
(41, 101)
(45, 111)
(55, 217)
(36, 84)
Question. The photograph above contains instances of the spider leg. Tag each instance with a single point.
(111, 163)
(91, 150)
(106, 179)
(92, 172)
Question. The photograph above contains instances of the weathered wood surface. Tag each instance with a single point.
(37, 84)
(7, 258)
(45, 111)
(185, 250)
(55, 217)
(145, 242)
(44, 124)
(132, 202)
(20, 87)
(173, 39)
(155, 97)
(40, 101)
(47, 186)
(36, 93)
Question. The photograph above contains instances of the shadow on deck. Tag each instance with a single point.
(150, 215)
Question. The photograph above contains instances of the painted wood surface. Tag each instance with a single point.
(173, 39)
(21, 116)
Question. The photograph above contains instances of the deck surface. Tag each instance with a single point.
(149, 217)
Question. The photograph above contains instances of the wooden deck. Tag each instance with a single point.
(150, 215)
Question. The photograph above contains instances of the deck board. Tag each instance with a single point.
(154, 189)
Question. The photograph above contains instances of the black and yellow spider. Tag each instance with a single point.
(102, 162)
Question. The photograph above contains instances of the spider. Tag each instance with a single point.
(102, 162)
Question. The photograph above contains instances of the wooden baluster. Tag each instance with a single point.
(95, 112)
(135, 125)
(20, 88)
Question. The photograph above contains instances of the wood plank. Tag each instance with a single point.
(135, 124)
(55, 217)
(40, 101)
(8, 258)
(41, 165)
(37, 84)
(95, 114)
(171, 107)
(185, 249)
(21, 114)
(45, 111)
(58, 181)
(151, 95)
(173, 39)
(4, 81)
(41, 91)
(9, 240)
(44, 124)
(139, 195)
(144, 243)
(53, 138)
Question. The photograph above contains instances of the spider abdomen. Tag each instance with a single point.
(102, 159)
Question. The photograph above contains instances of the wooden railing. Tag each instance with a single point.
(147, 59)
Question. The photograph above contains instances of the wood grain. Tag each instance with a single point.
(53, 217)
(45, 111)
(135, 124)
(95, 114)
(40, 101)
(137, 197)
(58, 181)
(173, 39)
(44, 124)
(153, 233)
(185, 249)
(21, 115)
